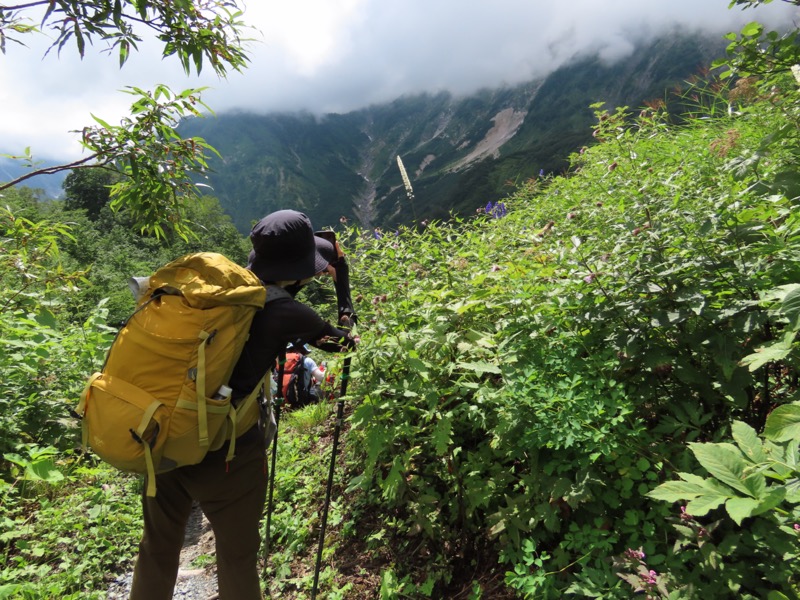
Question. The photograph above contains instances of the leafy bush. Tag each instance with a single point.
(530, 379)
(757, 481)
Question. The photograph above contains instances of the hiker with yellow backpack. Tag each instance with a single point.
(178, 398)
(232, 493)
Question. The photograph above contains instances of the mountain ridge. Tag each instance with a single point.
(460, 151)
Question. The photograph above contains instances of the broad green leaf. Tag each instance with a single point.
(791, 307)
(740, 508)
(747, 440)
(702, 505)
(8, 590)
(46, 318)
(722, 462)
(756, 485)
(772, 499)
(675, 491)
(44, 470)
(752, 29)
(783, 423)
(766, 354)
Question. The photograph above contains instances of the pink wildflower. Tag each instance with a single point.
(635, 554)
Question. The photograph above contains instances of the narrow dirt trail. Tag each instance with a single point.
(195, 582)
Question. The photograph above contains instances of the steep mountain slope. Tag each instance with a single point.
(460, 152)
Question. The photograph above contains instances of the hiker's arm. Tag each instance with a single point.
(333, 339)
(314, 369)
(341, 282)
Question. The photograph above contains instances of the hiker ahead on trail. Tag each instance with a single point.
(286, 253)
(302, 377)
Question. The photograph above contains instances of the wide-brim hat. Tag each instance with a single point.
(325, 249)
(285, 248)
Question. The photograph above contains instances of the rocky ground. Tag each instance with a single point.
(195, 582)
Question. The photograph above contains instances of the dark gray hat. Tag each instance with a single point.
(284, 248)
(325, 249)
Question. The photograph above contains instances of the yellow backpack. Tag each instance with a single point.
(152, 408)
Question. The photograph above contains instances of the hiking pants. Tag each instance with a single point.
(233, 502)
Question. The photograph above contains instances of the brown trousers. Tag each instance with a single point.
(232, 499)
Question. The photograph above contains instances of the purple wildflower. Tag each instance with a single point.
(634, 554)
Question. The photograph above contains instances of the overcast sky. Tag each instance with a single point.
(340, 55)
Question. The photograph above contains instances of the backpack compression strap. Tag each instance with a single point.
(200, 387)
(236, 415)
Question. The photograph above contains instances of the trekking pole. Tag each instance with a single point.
(277, 406)
(337, 428)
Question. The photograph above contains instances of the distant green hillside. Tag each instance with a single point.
(459, 152)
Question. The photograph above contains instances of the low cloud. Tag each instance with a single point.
(322, 57)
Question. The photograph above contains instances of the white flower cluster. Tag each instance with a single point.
(404, 175)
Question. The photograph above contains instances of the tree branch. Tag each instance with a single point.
(24, 6)
(55, 169)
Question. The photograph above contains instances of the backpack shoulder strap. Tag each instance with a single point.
(275, 292)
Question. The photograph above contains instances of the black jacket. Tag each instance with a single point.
(280, 322)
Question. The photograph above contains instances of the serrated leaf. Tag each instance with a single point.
(766, 354)
(783, 423)
(770, 500)
(724, 463)
(740, 508)
(441, 436)
(747, 440)
(702, 505)
(675, 491)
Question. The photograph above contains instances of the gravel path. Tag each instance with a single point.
(193, 583)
